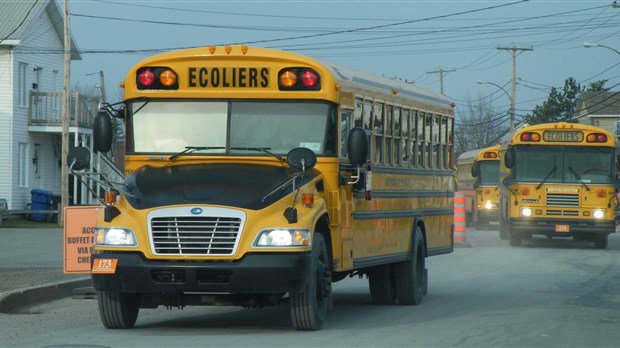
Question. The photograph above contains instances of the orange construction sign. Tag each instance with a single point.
(80, 224)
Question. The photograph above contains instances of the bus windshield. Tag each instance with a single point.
(564, 164)
(232, 127)
(489, 173)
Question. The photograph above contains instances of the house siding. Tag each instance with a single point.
(44, 148)
(6, 97)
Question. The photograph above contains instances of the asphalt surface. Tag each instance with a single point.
(32, 268)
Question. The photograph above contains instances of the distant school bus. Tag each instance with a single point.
(478, 180)
(256, 177)
(558, 180)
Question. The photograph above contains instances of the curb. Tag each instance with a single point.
(11, 301)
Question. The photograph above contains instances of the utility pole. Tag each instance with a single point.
(442, 72)
(514, 50)
(64, 194)
(102, 84)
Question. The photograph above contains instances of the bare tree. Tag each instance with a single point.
(480, 125)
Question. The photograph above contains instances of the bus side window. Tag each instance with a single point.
(404, 141)
(345, 126)
(421, 130)
(437, 141)
(397, 136)
(413, 135)
(389, 115)
(377, 130)
(450, 147)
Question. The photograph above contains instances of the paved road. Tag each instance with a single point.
(547, 293)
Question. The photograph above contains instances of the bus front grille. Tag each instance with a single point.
(189, 235)
(559, 212)
(562, 200)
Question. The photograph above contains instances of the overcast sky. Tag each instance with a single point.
(409, 40)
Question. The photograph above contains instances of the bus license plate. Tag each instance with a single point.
(104, 266)
(562, 228)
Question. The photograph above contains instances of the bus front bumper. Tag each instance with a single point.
(563, 228)
(255, 273)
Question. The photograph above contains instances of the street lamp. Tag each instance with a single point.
(592, 44)
(512, 102)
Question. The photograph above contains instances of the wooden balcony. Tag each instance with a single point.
(45, 109)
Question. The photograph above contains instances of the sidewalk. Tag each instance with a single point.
(31, 268)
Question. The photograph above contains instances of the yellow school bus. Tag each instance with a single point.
(558, 180)
(256, 177)
(478, 180)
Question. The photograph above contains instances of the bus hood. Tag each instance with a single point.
(236, 185)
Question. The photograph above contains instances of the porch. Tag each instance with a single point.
(45, 113)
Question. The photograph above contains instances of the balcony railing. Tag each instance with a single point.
(45, 109)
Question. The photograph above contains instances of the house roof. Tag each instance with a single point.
(598, 103)
(17, 15)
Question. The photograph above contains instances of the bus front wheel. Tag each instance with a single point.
(118, 310)
(309, 306)
(515, 239)
(600, 241)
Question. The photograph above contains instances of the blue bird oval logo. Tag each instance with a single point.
(196, 211)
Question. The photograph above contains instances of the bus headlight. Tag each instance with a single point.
(598, 213)
(488, 205)
(114, 237)
(282, 237)
(526, 211)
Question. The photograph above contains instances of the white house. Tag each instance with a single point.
(601, 109)
(31, 100)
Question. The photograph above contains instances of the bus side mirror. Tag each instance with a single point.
(509, 158)
(78, 158)
(102, 132)
(508, 181)
(475, 169)
(301, 158)
(357, 146)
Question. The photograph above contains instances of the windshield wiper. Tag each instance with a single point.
(547, 177)
(262, 149)
(189, 149)
(578, 177)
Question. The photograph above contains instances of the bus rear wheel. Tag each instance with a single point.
(381, 285)
(309, 306)
(411, 277)
(118, 310)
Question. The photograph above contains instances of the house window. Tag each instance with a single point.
(54, 80)
(22, 165)
(22, 92)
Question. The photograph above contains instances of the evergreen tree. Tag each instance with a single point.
(561, 104)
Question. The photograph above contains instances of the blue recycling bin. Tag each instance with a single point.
(41, 200)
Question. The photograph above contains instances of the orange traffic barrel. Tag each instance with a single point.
(459, 219)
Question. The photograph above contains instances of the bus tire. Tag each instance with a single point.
(309, 306)
(514, 239)
(600, 241)
(411, 276)
(381, 285)
(118, 310)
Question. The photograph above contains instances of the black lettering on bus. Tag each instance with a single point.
(192, 77)
(204, 77)
(252, 78)
(242, 77)
(225, 78)
(215, 78)
(264, 74)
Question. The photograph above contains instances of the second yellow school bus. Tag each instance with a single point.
(478, 181)
(558, 180)
(257, 177)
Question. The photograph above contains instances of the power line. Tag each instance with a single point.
(20, 23)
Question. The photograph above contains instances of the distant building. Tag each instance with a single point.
(601, 109)
(31, 100)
